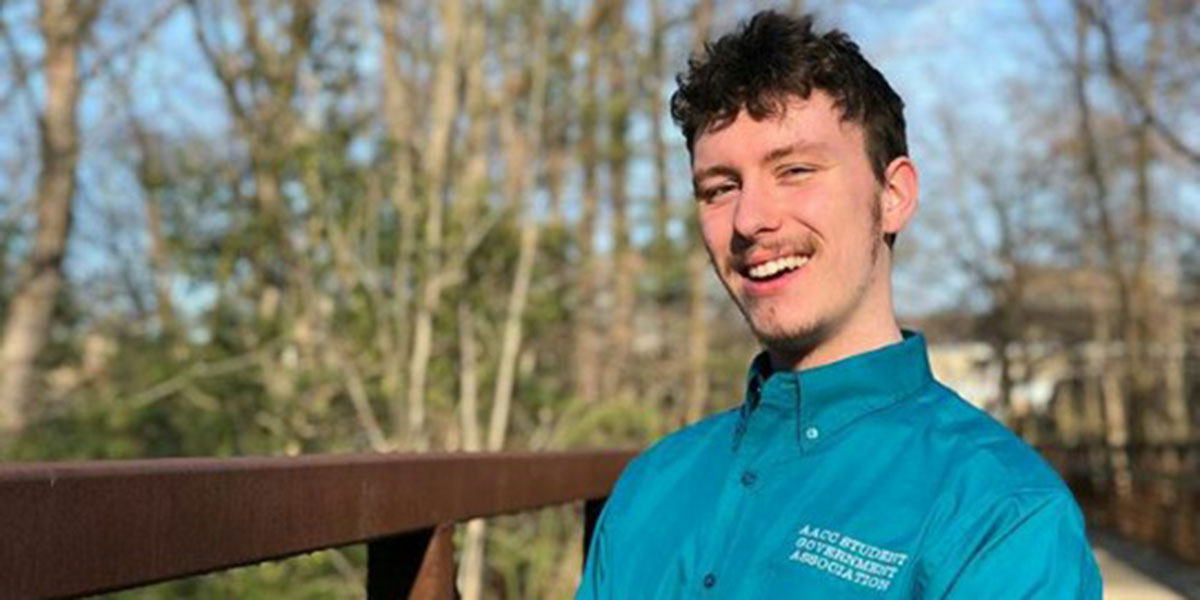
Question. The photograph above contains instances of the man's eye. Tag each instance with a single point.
(796, 171)
(716, 191)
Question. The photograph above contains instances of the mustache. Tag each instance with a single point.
(742, 249)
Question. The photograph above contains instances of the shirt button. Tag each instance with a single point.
(710, 580)
(812, 433)
(748, 478)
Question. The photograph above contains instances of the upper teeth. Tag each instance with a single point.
(773, 267)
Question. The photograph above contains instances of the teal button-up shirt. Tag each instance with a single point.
(865, 478)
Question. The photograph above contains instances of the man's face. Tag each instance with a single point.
(790, 215)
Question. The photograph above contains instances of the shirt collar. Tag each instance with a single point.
(825, 399)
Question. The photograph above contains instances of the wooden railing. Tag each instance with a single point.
(69, 529)
(1147, 493)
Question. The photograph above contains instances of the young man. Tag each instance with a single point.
(848, 471)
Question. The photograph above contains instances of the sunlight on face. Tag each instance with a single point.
(789, 212)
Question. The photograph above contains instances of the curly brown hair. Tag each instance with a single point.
(774, 57)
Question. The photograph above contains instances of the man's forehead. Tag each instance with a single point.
(817, 115)
(772, 138)
(817, 104)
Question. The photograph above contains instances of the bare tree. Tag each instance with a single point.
(618, 114)
(585, 362)
(697, 261)
(445, 107)
(152, 172)
(398, 119)
(259, 93)
(1138, 87)
(519, 141)
(64, 27)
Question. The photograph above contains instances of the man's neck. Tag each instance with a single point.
(839, 347)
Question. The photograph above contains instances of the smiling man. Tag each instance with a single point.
(847, 471)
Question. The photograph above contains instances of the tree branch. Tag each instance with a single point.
(1118, 73)
(20, 69)
(200, 370)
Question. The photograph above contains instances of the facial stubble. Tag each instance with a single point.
(804, 337)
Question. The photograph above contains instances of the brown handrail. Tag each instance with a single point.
(88, 527)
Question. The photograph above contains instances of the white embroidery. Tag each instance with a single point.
(844, 557)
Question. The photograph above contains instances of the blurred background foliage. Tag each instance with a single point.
(258, 227)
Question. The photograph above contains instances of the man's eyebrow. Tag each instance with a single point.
(790, 149)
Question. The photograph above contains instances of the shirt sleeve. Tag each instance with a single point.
(597, 582)
(1026, 545)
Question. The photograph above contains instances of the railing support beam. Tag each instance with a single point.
(418, 565)
(591, 516)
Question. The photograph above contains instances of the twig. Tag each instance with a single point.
(195, 371)
(104, 59)
(20, 69)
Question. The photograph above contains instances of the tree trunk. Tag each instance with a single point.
(620, 329)
(519, 145)
(445, 109)
(511, 340)
(586, 353)
(471, 571)
(698, 382)
(152, 174)
(398, 118)
(64, 26)
(1173, 341)
(653, 89)
(1114, 374)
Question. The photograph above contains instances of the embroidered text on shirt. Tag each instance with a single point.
(847, 558)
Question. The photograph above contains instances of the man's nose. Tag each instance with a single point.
(758, 211)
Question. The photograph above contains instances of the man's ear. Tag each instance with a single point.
(900, 195)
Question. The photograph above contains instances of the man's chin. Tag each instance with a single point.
(790, 338)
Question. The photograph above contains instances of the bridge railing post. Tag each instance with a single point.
(591, 516)
(418, 565)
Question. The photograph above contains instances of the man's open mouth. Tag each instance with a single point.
(776, 267)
